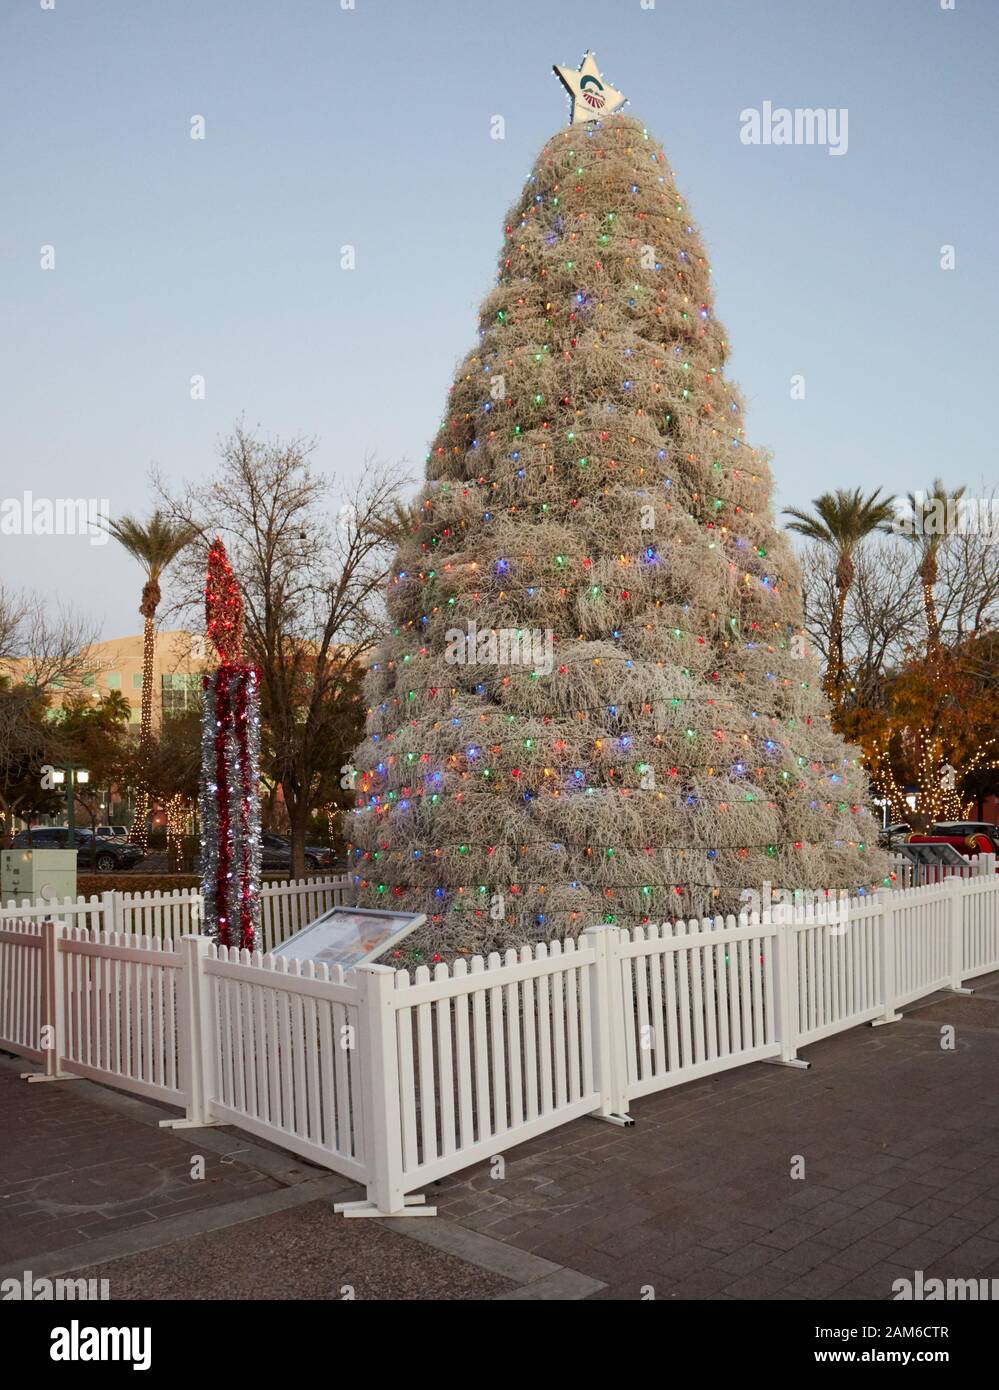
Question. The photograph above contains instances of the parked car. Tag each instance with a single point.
(956, 828)
(96, 854)
(113, 832)
(276, 854)
(890, 835)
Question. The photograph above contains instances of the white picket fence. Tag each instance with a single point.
(284, 908)
(701, 999)
(25, 989)
(123, 1015)
(396, 1080)
(279, 1041)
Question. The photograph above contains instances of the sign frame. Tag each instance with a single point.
(408, 922)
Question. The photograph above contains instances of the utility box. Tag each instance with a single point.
(40, 875)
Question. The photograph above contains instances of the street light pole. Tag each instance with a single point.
(73, 775)
(70, 809)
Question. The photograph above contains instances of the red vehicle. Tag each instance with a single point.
(970, 845)
(967, 827)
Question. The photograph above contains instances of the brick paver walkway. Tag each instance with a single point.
(90, 1190)
(70, 1172)
(899, 1139)
(894, 1137)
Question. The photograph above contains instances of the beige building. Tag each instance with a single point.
(117, 665)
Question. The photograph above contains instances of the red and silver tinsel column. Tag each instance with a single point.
(230, 770)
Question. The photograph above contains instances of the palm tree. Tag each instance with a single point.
(155, 544)
(936, 506)
(841, 520)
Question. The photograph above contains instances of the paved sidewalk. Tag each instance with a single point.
(91, 1187)
(900, 1143)
(898, 1138)
(73, 1172)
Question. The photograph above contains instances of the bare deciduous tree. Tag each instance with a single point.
(13, 612)
(52, 643)
(883, 615)
(39, 651)
(311, 573)
(968, 585)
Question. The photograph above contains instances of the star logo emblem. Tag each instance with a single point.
(591, 96)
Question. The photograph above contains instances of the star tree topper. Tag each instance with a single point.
(591, 96)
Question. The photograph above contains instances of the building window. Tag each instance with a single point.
(114, 680)
(181, 691)
(137, 680)
(88, 681)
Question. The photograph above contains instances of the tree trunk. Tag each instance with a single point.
(834, 676)
(148, 658)
(268, 809)
(928, 579)
(837, 665)
(298, 820)
(139, 833)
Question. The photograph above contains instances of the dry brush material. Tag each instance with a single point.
(591, 479)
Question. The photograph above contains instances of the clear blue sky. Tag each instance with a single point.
(371, 127)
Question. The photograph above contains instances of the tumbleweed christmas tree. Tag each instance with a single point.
(594, 701)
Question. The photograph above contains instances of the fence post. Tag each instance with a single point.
(111, 914)
(955, 931)
(380, 1100)
(53, 1017)
(196, 1041)
(886, 898)
(607, 1022)
(785, 982)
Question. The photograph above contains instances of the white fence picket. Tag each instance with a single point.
(284, 909)
(713, 992)
(837, 949)
(22, 989)
(517, 1056)
(980, 927)
(120, 1000)
(299, 1084)
(922, 958)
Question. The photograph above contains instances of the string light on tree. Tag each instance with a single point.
(143, 802)
(591, 482)
(176, 821)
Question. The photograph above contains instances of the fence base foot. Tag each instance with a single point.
(188, 1124)
(798, 1062)
(625, 1121)
(44, 1076)
(366, 1208)
(880, 1022)
(959, 989)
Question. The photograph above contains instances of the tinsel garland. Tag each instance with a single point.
(230, 810)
